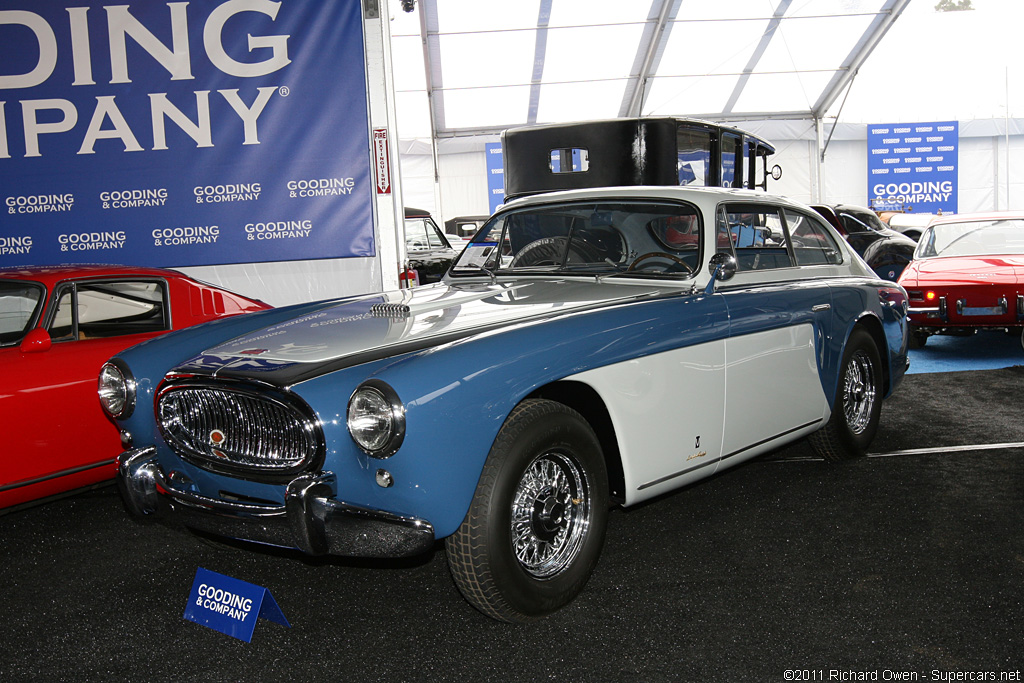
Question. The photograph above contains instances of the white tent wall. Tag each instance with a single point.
(989, 178)
(290, 282)
(418, 182)
(463, 185)
(796, 157)
(463, 178)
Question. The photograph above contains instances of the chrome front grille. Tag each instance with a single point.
(238, 428)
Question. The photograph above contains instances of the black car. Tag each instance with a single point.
(651, 150)
(428, 252)
(885, 250)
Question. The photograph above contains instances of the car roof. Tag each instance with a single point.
(981, 216)
(698, 195)
(49, 275)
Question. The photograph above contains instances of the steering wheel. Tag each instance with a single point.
(658, 254)
(547, 251)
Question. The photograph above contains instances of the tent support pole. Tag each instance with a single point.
(819, 157)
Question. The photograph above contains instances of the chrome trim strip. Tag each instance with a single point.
(726, 457)
(937, 450)
(951, 449)
(56, 475)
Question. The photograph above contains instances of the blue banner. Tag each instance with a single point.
(495, 175)
(913, 166)
(230, 605)
(183, 133)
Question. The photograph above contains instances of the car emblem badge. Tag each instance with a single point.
(216, 438)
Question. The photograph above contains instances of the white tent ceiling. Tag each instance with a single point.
(465, 67)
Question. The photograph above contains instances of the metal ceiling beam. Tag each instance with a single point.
(540, 48)
(889, 13)
(648, 54)
(432, 63)
(803, 115)
(755, 57)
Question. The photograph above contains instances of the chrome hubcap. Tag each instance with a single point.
(859, 392)
(550, 515)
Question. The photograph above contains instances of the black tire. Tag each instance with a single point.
(858, 403)
(917, 339)
(544, 477)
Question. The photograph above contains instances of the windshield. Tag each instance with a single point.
(19, 304)
(641, 239)
(973, 238)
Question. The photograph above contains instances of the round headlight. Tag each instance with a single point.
(376, 419)
(116, 388)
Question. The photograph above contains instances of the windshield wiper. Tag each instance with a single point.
(490, 273)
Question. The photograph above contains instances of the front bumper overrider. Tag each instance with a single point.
(311, 519)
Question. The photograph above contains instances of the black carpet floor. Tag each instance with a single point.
(899, 563)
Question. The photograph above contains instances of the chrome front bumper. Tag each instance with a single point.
(310, 519)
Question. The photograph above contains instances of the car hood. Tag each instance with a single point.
(381, 325)
(966, 270)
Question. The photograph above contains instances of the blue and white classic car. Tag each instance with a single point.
(595, 347)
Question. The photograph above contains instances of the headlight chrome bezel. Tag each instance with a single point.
(389, 413)
(116, 378)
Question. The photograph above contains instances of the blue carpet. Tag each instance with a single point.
(986, 350)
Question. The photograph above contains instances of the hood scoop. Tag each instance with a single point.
(391, 311)
(409, 304)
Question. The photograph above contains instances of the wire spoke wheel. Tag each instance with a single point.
(857, 405)
(859, 392)
(550, 514)
(536, 524)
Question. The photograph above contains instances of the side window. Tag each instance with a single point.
(750, 179)
(732, 161)
(416, 235)
(812, 243)
(19, 304)
(434, 238)
(62, 326)
(693, 149)
(723, 235)
(758, 236)
(852, 225)
(109, 309)
(569, 160)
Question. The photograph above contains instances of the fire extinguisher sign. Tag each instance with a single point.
(381, 158)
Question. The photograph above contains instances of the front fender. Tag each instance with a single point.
(458, 395)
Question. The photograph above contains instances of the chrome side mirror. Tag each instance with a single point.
(723, 267)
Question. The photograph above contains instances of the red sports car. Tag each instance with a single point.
(58, 325)
(967, 274)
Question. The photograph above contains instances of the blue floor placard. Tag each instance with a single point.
(230, 605)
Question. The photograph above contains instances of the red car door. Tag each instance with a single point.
(56, 436)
